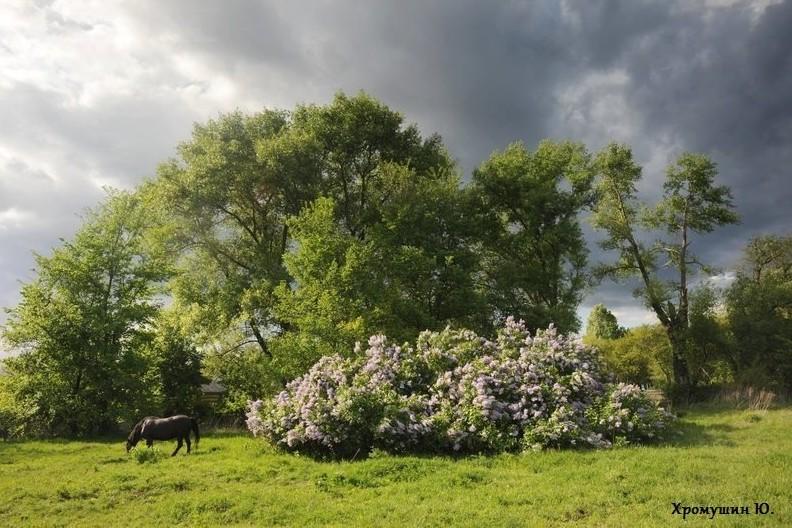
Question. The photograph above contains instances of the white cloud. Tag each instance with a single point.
(722, 280)
(13, 217)
(595, 109)
(755, 7)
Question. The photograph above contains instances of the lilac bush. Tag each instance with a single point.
(457, 392)
(627, 414)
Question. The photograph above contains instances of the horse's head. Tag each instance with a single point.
(134, 437)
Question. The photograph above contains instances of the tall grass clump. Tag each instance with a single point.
(147, 455)
(456, 392)
(752, 398)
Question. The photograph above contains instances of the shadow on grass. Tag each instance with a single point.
(689, 434)
(683, 434)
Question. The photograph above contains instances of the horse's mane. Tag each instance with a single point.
(134, 436)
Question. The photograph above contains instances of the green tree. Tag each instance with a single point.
(642, 355)
(177, 364)
(759, 312)
(691, 203)
(709, 347)
(534, 254)
(602, 324)
(383, 250)
(83, 323)
(768, 255)
(227, 196)
(240, 178)
(413, 271)
(245, 372)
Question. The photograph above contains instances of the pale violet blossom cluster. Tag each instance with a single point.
(628, 413)
(457, 392)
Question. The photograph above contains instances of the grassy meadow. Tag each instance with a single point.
(719, 458)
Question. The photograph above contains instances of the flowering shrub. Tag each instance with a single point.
(458, 392)
(628, 414)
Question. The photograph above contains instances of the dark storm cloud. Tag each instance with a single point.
(719, 82)
(480, 74)
(103, 93)
(716, 81)
(234, 31)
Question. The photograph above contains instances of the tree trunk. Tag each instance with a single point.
(259, 338)
(679, 365)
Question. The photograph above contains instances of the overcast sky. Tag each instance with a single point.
(96, 93)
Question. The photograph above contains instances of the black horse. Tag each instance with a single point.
(152, 428)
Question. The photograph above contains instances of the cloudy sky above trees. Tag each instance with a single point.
(96, 93)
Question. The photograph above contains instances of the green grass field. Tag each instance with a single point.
(720, 458)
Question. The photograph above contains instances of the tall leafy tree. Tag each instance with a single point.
(229, 194)
(83, 323)
(534, 254)
(413, 271)
(692, 203)
(236, 183)
(602, 324)
(358, 138)
(759, 312)
(768, 255)
(369, 256)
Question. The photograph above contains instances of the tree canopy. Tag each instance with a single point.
(82, 324)
(532, 248)
(279, 237)
(691, 203)
(602, 324)
(236, 183)
(759, 312)
(304, 231)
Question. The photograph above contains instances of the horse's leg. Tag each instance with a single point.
(149, 442)
(187, 439)
(178, 446)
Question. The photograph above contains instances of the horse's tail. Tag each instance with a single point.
(194, 425)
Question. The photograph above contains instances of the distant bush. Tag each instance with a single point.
(458, 392)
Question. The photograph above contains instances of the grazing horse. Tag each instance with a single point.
(152, 428)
